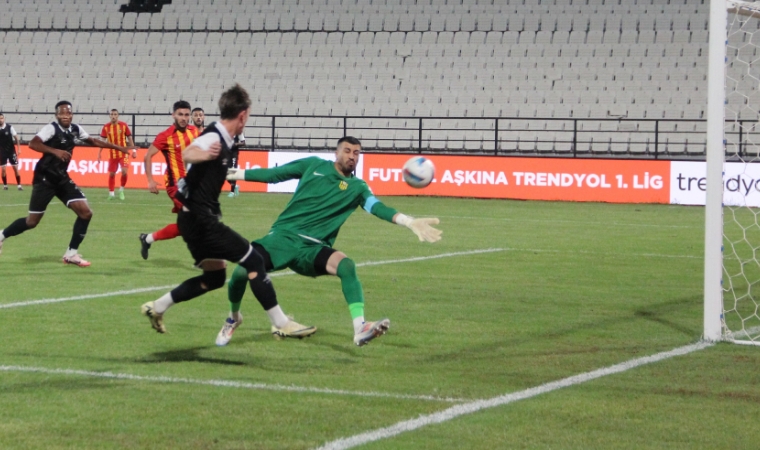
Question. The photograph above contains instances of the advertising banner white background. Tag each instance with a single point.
(741, 183)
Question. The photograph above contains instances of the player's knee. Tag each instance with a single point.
(346, 268)
(253, 263)
(31, 222)
(86, 214)
(214, 279)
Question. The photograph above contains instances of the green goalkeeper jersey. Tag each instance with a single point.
(323, 199)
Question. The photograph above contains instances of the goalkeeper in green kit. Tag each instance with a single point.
(303, 235)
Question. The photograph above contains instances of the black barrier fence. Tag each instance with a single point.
(610, 137)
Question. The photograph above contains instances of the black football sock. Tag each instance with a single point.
(197, 286)
(80, 230)
(16, 228)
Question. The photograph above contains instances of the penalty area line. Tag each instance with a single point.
(278, 274)
(475, 406)
(225, 383)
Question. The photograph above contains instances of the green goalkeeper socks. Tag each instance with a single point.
(236, 288)
(352, 287)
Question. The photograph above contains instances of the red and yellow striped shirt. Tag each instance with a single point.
(116, 134)
(171, 142)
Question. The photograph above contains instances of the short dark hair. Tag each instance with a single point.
(233, 101)
(182, 104)
(198, 109)
(350, 139)
(61, 103)
(1, 114)
(114, 109)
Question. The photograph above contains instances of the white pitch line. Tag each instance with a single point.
(285, 273)
(226, 383)
(571, 222)
(469, 408)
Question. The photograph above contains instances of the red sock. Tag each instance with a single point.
(111, 182)
(123, 179)
(168, 232)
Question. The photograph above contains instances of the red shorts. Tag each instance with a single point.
(115, 163)
(171, 191)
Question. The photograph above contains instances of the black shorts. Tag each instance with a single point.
(44, 190)
(208, 238)
(8, 158)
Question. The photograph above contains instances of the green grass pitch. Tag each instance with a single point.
(573, 288)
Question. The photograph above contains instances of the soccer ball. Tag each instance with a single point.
(419, 172)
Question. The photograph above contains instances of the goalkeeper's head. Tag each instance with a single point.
(347, 155)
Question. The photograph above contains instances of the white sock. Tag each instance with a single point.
(110, 193)
(358, 324)
(163, 303)
(2, 236)
(70, 252)
(149, 239)
(277, 317)
(121, 189)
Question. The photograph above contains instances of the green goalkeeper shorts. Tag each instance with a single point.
(288, 250)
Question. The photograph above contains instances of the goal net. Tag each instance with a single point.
(741, 170)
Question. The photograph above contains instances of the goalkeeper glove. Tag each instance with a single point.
(421, 227)
(236, 174)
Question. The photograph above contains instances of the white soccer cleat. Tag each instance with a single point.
(156, 319)
(293, 329)
(371, 330)
(76, 260)
(225, 334)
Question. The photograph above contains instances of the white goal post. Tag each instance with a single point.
(732, 230)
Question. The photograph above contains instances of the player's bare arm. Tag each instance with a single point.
(148, 161)
(103, 144)
(37, 145)
(131, 144)
(18, 145)
(194, 154)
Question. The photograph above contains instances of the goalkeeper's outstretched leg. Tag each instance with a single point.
(343, 267)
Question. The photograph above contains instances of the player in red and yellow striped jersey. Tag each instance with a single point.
(118, 133)
(170, 143)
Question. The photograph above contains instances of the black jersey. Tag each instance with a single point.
(204, 181)
(7, 144)
(54, 136)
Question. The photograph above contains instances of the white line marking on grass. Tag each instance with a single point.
(469, 408)
(226, 383)
(285, 273)
(572, 222)
(17, 204)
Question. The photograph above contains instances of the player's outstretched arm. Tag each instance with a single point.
(290, 171)
(104, 144)
(421, 227)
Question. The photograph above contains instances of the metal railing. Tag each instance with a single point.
(498, 136)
